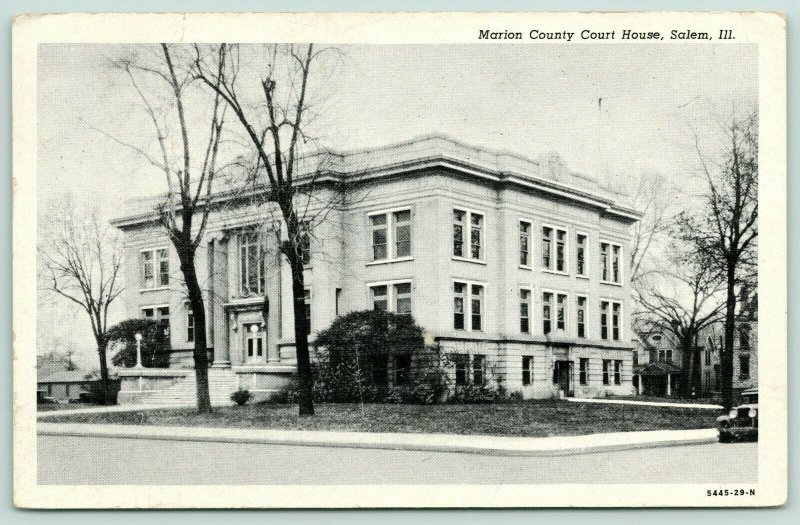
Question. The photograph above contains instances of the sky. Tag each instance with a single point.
(530, 99)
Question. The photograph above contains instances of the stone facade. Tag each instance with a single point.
(424, 191)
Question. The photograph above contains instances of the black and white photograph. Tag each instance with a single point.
(530, 255)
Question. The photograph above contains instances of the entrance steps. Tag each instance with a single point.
(221, 384)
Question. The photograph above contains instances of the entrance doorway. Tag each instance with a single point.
(562, 376)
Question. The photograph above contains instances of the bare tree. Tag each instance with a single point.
(683, 301)
(725, 232)
(185, 211)
(654, 198)
(276, 126)
(81, 262)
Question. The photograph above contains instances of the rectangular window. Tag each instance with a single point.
(610, 262)
(148, 313)
(402, 369)
(402, 297)
(477, 301)
(402, 233)
(583, 371)
(635, 358)
(461, 362)
(380, 238)
(617, 372)
(561, 312)
(380, 297)
(459, 301)
(668, 356)
(561, 243)
(338, 302)
(581, 255)
(606, 368)
(527, 368)
(189, 326)
(478, 369)
(476, 236)
(604, 305)
(251, 264)
(307, 300)
(158, 313)
(547, 244)
(707, 379)
(304, 242)
(615, 315)
(525, 311)
(708, 356)
(581, 317)
(459, 217)
(524, 243)
(547, 306)
(744, 367)
(155, 268)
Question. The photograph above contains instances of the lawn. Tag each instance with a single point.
(50, 407)
(527, 418)
(665, 399)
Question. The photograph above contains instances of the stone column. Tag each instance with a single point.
(273, 291)
(669, 385)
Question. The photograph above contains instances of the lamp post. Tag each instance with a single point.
(138, 338)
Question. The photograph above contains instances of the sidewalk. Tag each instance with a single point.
(102, 409)
(490, 445)
(646, 403)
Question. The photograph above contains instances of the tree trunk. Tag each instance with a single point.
(304, 379)
(105, 381)
(726, 359)
(686, 366)
(200, 346)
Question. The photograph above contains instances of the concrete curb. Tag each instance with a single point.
(106, 410)
(700, 406)
(487, 445)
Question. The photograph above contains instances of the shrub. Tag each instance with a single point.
(155, 343)
(240, 397)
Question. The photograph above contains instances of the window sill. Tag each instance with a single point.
(156, 289)
(611, 283)
(554, 272)
(579, 276)
(467, 260)
(523, 267)
(389, 261)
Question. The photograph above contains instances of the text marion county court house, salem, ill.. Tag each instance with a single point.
(515, 264)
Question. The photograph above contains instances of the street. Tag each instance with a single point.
(66, 460)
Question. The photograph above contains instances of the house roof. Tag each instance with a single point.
(657, 368)
(65, 376)
(548, 174)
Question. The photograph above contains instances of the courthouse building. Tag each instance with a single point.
(517, 267)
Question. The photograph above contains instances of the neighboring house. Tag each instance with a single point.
(64, 385)
(517, 268)
(657, 364)
(745, 353)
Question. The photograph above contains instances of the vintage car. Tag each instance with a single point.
(741, 423)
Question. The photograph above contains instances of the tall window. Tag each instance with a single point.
(304, 242)
(554, 249)
(635, 358)
(478, 369)
(461, 362)
(402, 298)
(744, 367)
(580, 253)
(583, 370)
(459, 217)
(402, 233)
(477, 306)
(251, 264)
(254, 340)
(561, 312)
(617, 372)
(615, 315)
(307, 301)
(524, 243)
(189, 326)
(524, 311)
(476, 236)
(158, 313)
(155, 268)
(581, 316)
(744, 337)
(604, 306)
(380, 237)
(606, 371)
(527, 368)
(459, 303)
(610, 261)
(468, 304)
(547, 309)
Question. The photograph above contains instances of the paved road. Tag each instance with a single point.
(67, 460)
